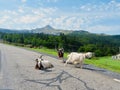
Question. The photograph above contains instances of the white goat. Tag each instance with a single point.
(116, 57)
(76, 58)
(42, 64)
(89, 55)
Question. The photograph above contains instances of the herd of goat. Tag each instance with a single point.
(73, 58)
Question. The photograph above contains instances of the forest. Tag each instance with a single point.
(101, 45)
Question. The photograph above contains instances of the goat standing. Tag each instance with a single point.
(60, 52)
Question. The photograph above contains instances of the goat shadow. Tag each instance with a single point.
(46, 70)
(93, 68)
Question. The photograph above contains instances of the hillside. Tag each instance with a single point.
(49, 30)
(13, 31)
(81, 41)
(46, 30)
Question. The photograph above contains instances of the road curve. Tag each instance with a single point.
(17, 73)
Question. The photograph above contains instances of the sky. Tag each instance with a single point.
(95, 16)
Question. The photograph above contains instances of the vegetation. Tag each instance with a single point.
(106, 63)
(101, 45)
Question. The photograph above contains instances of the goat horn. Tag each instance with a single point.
(41, 56)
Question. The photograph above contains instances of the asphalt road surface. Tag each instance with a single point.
(17, 72)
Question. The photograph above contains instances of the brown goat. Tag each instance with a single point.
(60, 52)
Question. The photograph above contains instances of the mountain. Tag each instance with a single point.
(48, 27)
(13, 31)
(6, 30)
(80, 32)
(50, 30)
(46, 30)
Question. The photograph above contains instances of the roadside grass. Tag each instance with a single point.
(101, 62)
(47, 51)
(106, 63)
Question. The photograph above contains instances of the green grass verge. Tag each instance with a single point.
(47, 51)
(106, 63)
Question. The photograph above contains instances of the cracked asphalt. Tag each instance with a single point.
(17, 72)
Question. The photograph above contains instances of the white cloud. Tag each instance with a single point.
(23, 1)
(68, 22)
(52, 0)
(74, 23)
(46, 21)
(9, 13)
(104, 29)
(4, 19)
(59, 21)
(27, 19)
(20, 10)
(111, 6)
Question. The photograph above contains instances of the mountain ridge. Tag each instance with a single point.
(46, 30)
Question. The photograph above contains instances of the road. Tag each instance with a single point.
(17, 72)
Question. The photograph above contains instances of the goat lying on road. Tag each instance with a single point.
(42, 64)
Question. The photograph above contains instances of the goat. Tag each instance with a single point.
(116, 57)
(89, 55)
(78, 58)
(42, 64)
(60, 52)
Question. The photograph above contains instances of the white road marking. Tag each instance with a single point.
(117, 80)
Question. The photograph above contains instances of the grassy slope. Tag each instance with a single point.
(102, 62)
(106, 63)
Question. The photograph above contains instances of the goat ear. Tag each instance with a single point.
(36, 60)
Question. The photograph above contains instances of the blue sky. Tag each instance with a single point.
(96, 16)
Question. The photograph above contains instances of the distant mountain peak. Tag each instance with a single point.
(48, 27)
